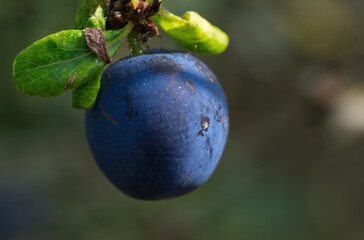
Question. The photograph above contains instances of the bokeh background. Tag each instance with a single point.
(293, 167)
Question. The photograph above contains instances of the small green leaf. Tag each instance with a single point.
(193, 32)
(85, 96)
(85, 11)
(97, 19)
(45, 67)
(63, 61)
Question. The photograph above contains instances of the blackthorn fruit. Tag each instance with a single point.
(159, 125)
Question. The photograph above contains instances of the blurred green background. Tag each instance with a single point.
(294, 163)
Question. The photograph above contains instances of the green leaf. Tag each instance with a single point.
(85, 11)
(97, 19)
(61, 62)
(85, 96)
(193, 32)
(45, 67)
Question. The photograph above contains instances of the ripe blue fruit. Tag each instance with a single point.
(159, 125)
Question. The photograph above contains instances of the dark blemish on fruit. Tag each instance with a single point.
(108, 117)
(205, 124)
(208, 146)
(164, 65)
(132, 111)
(217, 113)
(127, 98)
(72, 79)
(191, 85)
(145, 62)
(125, 76)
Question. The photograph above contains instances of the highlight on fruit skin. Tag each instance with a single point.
(159, 125)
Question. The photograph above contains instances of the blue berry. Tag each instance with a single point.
(159, 125)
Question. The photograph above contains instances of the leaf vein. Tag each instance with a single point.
(51, 64)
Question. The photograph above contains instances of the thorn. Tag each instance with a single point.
(70, 82)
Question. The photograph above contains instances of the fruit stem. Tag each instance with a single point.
(135, 43)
